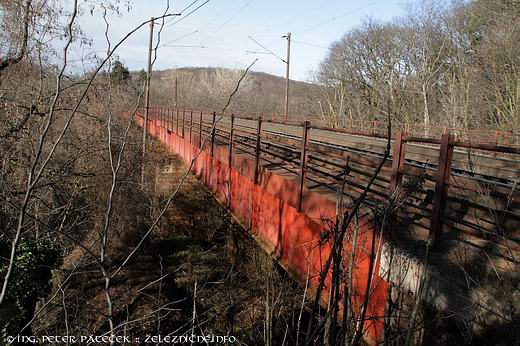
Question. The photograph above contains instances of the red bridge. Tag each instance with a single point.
(287, 182)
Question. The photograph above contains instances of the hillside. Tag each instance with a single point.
(210, 87)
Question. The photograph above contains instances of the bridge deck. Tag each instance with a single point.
(481, 198)
(284, 181)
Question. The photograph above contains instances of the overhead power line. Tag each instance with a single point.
(179, 38)
(310, 44)
(256, 52)
(188, 46)
(230, 18)
(184, 9)
(214, 18)
(267, 49)
(190, 13)
(338, 17)
(203, 41)
(187, 7)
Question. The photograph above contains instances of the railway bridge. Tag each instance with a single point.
(437, 229)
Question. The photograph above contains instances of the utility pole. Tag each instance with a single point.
(147, 99)
(287, 62)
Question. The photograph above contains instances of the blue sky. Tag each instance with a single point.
(224, 26)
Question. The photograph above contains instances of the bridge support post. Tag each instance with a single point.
(258, 148)
(397, 162)
(213, 133)
(183, 119)
(303, 163)
(441, 188)
(200, 130)
(177, 124)
(230, 155)
(191, 124)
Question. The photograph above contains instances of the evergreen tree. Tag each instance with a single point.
(119, 73)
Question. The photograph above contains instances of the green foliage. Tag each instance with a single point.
(31, 275)
(119, 73)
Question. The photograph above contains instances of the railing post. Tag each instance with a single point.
(230, 156)
(183, 119)
(191, 124)
(258, 148)
(441, 188)
(213, 133)
(303, 163)
(397, 162)
(231, 132)
(177, 123)
(200, 130)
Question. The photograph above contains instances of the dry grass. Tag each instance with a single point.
(196, 242)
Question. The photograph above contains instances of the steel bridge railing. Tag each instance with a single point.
(438, 185)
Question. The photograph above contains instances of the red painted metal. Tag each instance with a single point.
(441, 187)
(377, 128)
(397, 162)
(258, 148)
(287, 222)
(191, 125)
(200, 130)
(294, 237)
(213, 133)
(177, 123)
(230, 156)
(303, 162)
(183, 122)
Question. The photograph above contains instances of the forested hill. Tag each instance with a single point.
(209, 87)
